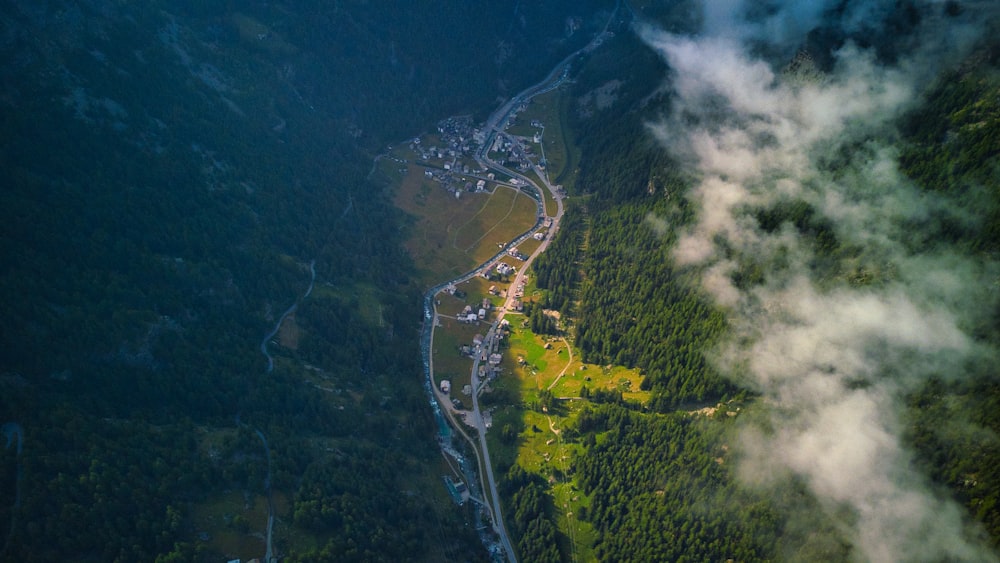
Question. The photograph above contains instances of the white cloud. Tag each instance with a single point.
(830, 358)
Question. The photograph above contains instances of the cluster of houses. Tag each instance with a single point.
(490, 358)
(516, 304)
(519, 290)
(450, 179)
(517, 155)
(468, 315)
(458, 133)
(458, 137)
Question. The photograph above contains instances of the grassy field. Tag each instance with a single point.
(559, 151)
(496, 222)
(450, 305)
(449, 362)
(533, 176)
(449, 236)
(550, 202)
(527, 247)
(551, 207)
(390, 171)
(533, 363)
(475, 289)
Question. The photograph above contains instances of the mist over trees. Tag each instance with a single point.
(788, 214)
(821, 210)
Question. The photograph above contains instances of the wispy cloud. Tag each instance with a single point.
(833, 338)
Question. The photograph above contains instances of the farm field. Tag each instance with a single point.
(448, 236)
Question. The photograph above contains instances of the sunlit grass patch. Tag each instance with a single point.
(448, 338)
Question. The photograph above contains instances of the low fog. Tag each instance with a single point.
(832, 343)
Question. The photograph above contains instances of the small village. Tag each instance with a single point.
(449, 157)
(464, 186)
(486, 351)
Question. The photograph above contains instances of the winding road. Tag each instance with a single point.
(553, 80)
(569, 362)
(289, 311)
(269, 554)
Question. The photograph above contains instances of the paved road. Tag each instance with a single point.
(553, 80)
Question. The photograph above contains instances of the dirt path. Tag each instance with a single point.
(289, 311)
(568, 363)
(475, 243)
(552, 426)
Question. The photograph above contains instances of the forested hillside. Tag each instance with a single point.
(635, 308)
(209, 318)
(177, 176)
(953, 146)
(660, 493)
(677, 487)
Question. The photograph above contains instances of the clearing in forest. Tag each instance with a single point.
(535, 400)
